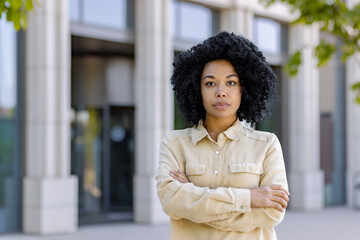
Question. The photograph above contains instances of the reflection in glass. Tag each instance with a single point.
(116, 14)
(267, 35)
(333, 125)
(108, 13)
(193, 22)
(121, 159)
(9, 168)
(197, 23)
(74, 10)
(86, 153)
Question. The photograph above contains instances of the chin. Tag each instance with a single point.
(223, 115)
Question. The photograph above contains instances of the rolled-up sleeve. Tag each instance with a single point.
(197, 204)
(274, 174)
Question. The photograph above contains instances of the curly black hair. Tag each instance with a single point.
(258, 81)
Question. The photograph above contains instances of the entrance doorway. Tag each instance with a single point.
(102, 130)
(103, 159)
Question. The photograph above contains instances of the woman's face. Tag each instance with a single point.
(220, 89)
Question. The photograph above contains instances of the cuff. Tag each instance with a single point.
(242, 200)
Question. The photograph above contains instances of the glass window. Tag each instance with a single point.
(116, 14)
(194, 22)
(74, 10)
(332, 96)
(9, 166)
(267, 35)
(274, 122)
(108, 13)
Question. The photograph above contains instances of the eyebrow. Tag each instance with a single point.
(228, 76)
(232, 75)
(208, 76)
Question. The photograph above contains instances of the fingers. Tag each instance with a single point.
(280, 201)
(179, 175)
(280, 197)
(175, 175)
(274, 196)
(282, 194)
(277, 206)
(183, 176)
(279, 187)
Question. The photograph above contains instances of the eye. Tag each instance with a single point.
(209, 84)
(231, 83)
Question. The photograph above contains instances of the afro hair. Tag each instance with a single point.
(258, 81)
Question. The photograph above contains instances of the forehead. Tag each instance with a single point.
(218, 66)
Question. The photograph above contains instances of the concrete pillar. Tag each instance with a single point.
(306, 179)
(49, 192)
(153, 102)
(352, 133)
(237, 19)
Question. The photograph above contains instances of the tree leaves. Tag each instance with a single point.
(356, 88)
(292, 65)
(334, 17)
(29, 5)
(15, 11)
(323, 52)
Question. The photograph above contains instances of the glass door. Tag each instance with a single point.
(103, 159)
(87, 158)
(102, 98)
(121, 133)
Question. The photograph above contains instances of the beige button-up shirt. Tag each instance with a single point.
(216, 202)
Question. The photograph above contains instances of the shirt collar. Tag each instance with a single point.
(234, 131)
(199, 131)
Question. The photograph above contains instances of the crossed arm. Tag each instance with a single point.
(227, 209)
(273, 196)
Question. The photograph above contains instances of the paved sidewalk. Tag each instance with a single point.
(335, 223)
(330, 224)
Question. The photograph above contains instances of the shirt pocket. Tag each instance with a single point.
(195, 169)
(246, 167)
(245, 175)
(196, 173)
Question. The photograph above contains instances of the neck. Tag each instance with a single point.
(215, 126)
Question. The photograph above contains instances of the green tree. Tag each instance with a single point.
(15, 11)
(333, 16)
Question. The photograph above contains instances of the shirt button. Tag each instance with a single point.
(217, 152)
(216, 172)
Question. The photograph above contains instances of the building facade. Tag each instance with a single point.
(85, 99)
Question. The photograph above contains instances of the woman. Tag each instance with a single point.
(221, 179)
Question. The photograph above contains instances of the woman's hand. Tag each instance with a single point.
(179, 175)
(273, 196)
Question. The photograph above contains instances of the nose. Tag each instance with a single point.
(220, 92)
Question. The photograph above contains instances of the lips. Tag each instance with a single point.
(221, 105)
